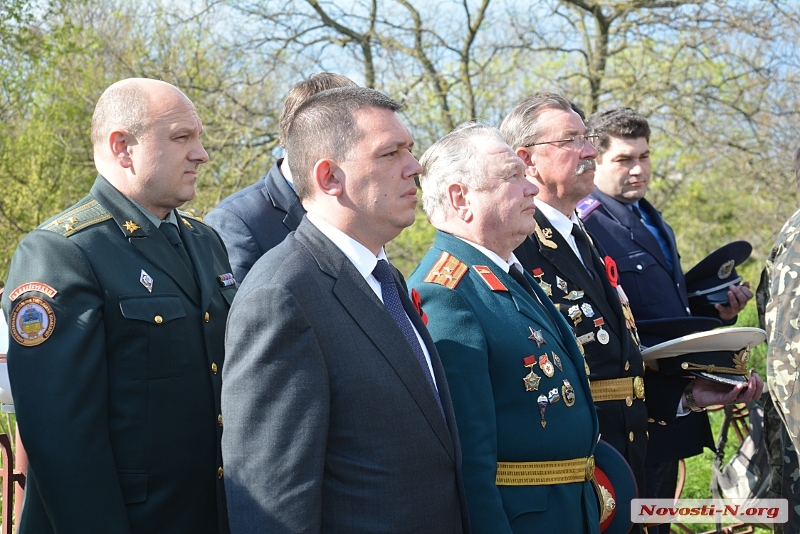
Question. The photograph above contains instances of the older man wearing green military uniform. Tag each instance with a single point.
(515, 370)
(117, 310)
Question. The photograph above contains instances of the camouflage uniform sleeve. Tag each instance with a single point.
(783, 327)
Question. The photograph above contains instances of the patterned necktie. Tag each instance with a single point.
(391, 299)
(170, 231)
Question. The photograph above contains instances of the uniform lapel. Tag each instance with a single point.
(198, 246)
(374, 319)
(283, 197)
(639, 232)
(145, 236)
(565, 261)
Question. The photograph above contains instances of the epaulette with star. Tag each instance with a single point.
(189, 215)
(447, 271)
(587, 206)
(76, 218)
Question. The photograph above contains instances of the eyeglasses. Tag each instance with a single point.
(578, 141)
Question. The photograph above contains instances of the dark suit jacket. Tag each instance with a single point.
(618, 358)
(483, 336)
(655, 292)
(255, 219)
(330, 424)
(119, 407)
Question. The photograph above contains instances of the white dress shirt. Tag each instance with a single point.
(364, 262)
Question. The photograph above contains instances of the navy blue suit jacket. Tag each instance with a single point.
(256, 219)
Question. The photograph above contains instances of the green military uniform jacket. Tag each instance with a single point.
(484, 336)
(115, 360)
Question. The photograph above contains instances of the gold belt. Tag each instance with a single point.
(544, 473)
(626, 389)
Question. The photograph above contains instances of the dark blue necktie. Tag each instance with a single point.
(391, 299)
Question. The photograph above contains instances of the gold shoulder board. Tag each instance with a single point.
(447, 271)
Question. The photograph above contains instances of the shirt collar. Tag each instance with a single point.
(360, 256)
(560, 222)
(155, 220)
(500, 262)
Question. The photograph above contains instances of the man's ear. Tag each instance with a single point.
(328, 178)
(457, 197)
(120, 142)
(529, 160)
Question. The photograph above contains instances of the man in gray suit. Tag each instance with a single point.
(336, 407)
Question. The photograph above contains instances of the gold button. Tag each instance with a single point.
(628, 400)
(158, 319)
(213, 367)
(647, 434)
(630, 436)
(219, 419)
(627, 365)
(207, 317)
(662, 423)
(651, 420)
(219, 473)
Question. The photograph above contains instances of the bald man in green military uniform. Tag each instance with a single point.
(516, 373)
(117, 309)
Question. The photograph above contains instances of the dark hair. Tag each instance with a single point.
(324, 126)
(520, 127)
(316, 83)
(622, 123)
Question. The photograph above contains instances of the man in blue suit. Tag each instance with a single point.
(257, 218)
(516, 372)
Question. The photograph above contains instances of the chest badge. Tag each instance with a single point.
(146, 280)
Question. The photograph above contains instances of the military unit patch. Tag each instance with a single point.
(447, 271)
(32, 321)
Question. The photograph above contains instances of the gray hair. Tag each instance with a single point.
(520, 127)
(453, 156)
(122, 105)
(324, 127)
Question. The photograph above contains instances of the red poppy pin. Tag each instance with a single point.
(415, 298)
(611, 271)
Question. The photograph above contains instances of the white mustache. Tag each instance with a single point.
(584, 166)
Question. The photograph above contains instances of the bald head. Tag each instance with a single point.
(127, 105)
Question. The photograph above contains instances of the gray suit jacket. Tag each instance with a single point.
(330, 424)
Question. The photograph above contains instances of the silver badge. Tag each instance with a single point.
(588, 311)
(146, 281)
(561, 284)
(602, 336)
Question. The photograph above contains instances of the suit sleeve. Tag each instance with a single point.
(275, 404)
(463, 350)
(239, 240)
(61, 389)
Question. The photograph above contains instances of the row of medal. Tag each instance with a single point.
(577, 311)
(532, 380)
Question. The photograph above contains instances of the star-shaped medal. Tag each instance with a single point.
(536, 335)
(131, 226)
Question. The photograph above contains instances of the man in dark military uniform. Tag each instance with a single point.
(117, 309)
(515, 370)
(630, 230)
